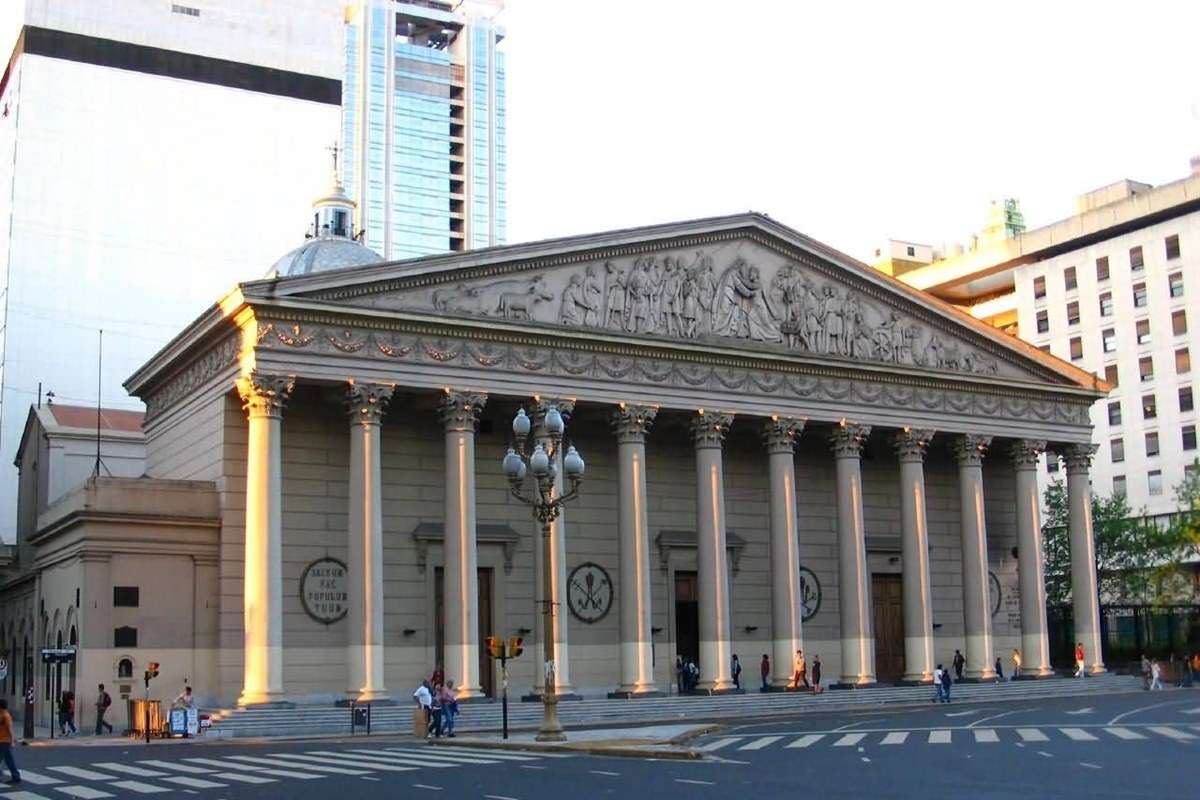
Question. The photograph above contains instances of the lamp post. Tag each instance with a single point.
(519, 463)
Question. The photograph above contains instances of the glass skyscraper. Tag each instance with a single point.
(423, 125)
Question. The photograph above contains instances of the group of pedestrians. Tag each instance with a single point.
(438, 701)
(687, 674)
(1183, 670)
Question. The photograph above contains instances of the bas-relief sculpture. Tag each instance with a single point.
(693, 296)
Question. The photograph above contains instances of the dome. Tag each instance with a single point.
(323, 254)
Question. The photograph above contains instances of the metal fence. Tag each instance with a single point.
(1128, 631)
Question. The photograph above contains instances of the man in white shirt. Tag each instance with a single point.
(424, 699)
(939, 693)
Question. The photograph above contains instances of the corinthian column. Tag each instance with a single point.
(364, 646)
(263, 398)
(1085, 596)
(712, 558)
(854, 582)
(1035, 644)
(787, 607)
(969, 450)
(558, 556)
(630, 423)
(914, 551)
(459, 413)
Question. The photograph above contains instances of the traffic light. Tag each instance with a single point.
(152, 670)
(515, 646)
(495, 647)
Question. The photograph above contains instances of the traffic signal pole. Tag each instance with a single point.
(497, 648)
(504, 696)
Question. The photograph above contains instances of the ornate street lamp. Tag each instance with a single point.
(518, 464)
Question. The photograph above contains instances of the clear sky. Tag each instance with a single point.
(852, 122)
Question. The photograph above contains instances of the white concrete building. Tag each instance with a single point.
(1115, 290)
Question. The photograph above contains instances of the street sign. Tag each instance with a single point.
(58, 655)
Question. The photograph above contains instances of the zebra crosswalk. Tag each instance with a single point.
(996, 735)
(157, 776)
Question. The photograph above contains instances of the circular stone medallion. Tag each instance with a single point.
(323, 590)
(810, 594)
(589, 592)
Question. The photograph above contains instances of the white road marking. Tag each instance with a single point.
(759, 744)
(1120, 717)
(24, 795)
(419, 758)
(856, 724)
(1124, 733)
(83, 774)
(850, 739)
(986, 735)
(302, 760)
(1090, 766)
(895, 737)
(257, 770)
(1171, 733)
(604, 772)
(963, 713)
(805, 741)
(695, 782)
(1078, 711)
(1078, 734)
(717, 744)
(1195, 710)
(497, 797)
(277, 762)
(939, 737)
(177, 767)
(998, 716)
(1044, 753)
(113, 766)
(37, 778)
(488, 752)
(1032, 735)
(427, 786)
(194, 783)
(239, 777)
(864, 758)
(531, 766)
(83, 792)
(140, 787)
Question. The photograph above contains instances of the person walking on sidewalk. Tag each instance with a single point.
(959, 663)
(103, 701)
(999, 670)
(1016, 659)
(946, 685)
(1079, 660)
(449, 708)
(424, 699)
(1145, 673)
(66, 714)
(938, 693)
(816, 674)
(800, 672)
(764, 668)
(1156, 674)
(736, 668)
(6, 743)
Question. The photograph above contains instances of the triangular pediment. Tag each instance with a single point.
(743, 281)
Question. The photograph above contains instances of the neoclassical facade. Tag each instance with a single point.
(785, 449)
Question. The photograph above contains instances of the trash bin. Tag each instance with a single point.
(360, 716)
(419, 725)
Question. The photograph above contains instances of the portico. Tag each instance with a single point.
(794, 412)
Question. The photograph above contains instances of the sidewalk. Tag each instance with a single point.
(653, 741)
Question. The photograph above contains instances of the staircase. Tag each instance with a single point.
(480, 717)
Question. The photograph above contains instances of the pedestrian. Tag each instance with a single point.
(736, 668)
(959, 663)
(184, 699)
(424, 699)
(1188, 672)
(103, 701)
(999, 669)
(679, 673)
(1146, 669)
(816, 674)
(764, 667)
(435, 711)
(938, 693)
(449, 708)
(438, 677)
(65, 715)
(1016, 659)
(1079, 660)
(800, 672)
(6, 743)
(1156, 675)
(946, 686)
(693, 675)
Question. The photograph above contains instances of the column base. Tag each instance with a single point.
(363, 700)
(622, 694)
(915, 681)
(479, 699)
(536, 697)
(264, 701)
(978, 679)
(1097, 669)
(467, 695)
(846, 685)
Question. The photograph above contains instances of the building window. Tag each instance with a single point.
(1043, 321)
(1118, 484)
(1051, 463)
(1139, 295)
(1179, 322)
(1108, 339)
(1076, 348)
(1176, 280)
(1106, 304)
(125, 596)
(1152, 443)
(124, 668)
(1186, 403)
(1143, 331)
(1149, 407)
(1146, 368)
(1102, 268)
(1154, 481)
(1114, 413)
(1039, 287)
(1172, 246)
(1070, 282)
(1189, 437)
(1073, 313)
(125, 636)
(1045, 348)
(1116, 450)
(1135, 259)
(1183, 361)
(1112, 375)
(912, 251)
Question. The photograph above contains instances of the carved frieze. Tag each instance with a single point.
(218, 359)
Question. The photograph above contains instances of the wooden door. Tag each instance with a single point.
(487, 677)
(889, 627)
(687, 617)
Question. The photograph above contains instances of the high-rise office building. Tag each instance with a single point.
(423, 125)
(152, 154)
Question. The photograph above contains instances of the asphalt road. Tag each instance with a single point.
(1127, 746)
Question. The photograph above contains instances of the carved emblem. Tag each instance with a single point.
(810, 594)
(589, 592)
(323, 591)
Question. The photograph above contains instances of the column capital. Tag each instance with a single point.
(365, 402)
(1078, 457)
(459, 411)
(969, 449)
(265, 395)
(779, 433)
(709, 429)
(631, 422)
(848, 438)
(910, 444)
(1025, 452)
